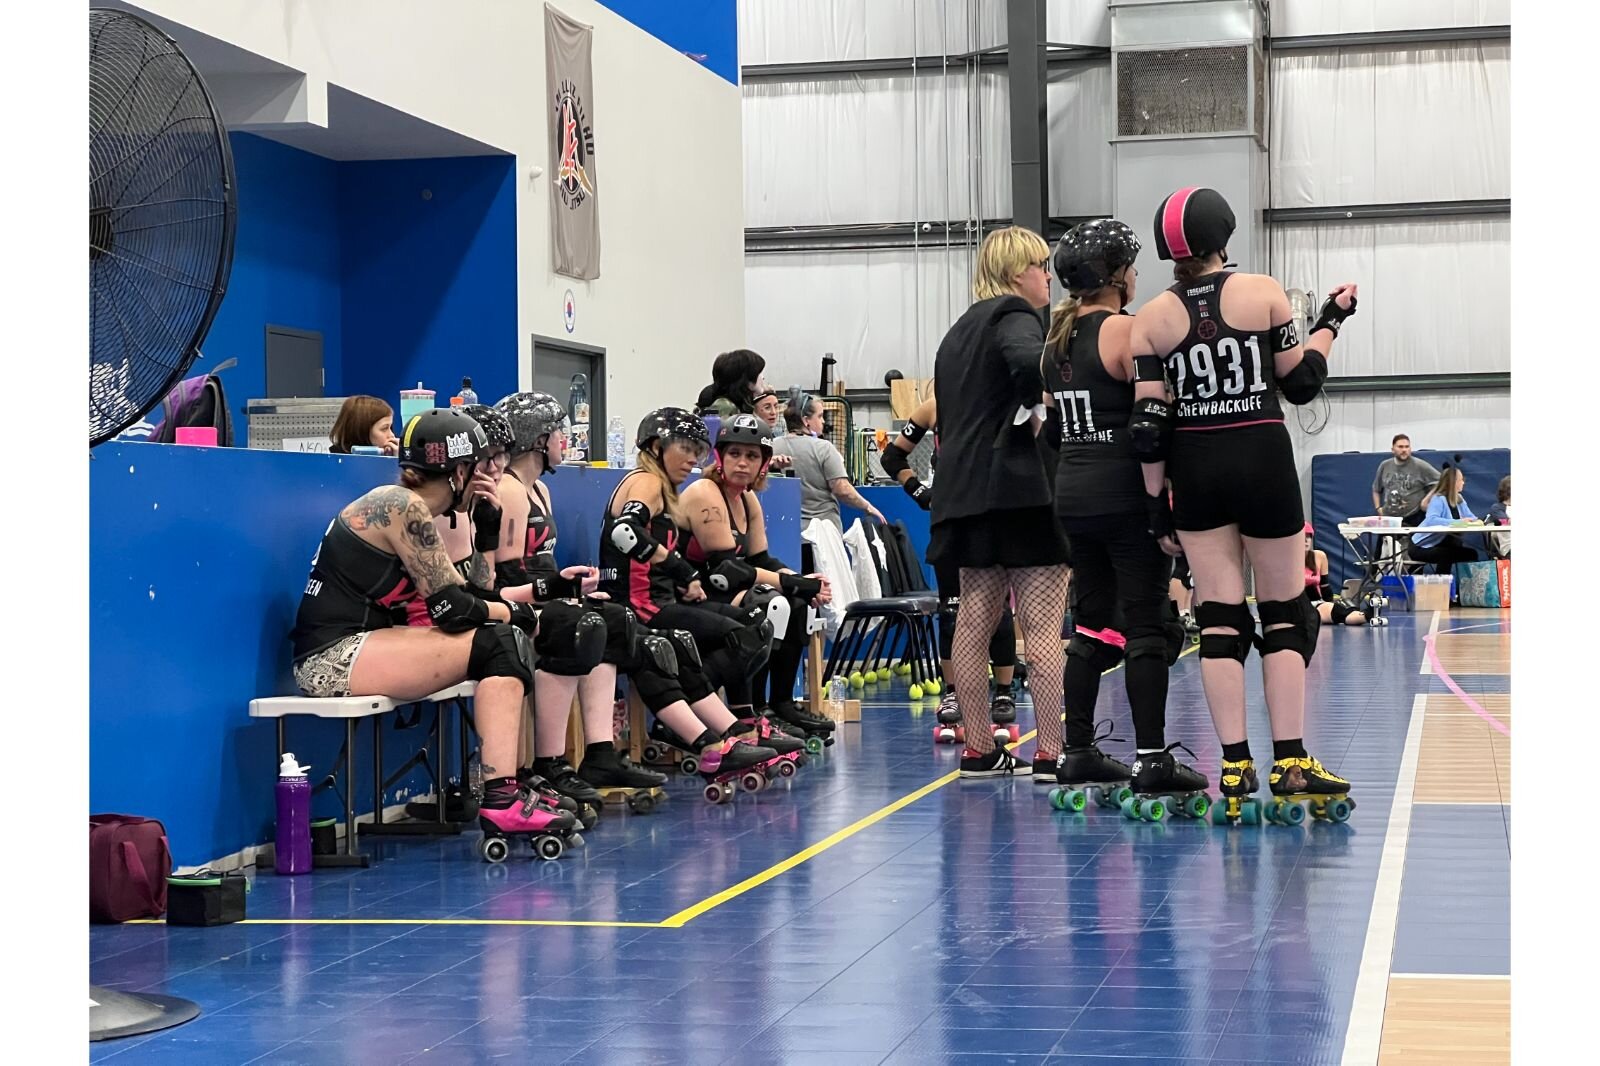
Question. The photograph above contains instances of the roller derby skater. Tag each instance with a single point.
(992, 517)
(728, 547)
(1085, 774)
(383, 550)
(1163, 786)
(1332, 609)
(1003, 644)
(707, 645)
(1229, 343)
(1112, 515)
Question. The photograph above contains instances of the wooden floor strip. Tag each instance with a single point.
(1463, 759)
(1440, 1020)
(1474, 653)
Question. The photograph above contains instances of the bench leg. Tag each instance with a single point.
(409, 827)
(349, 857)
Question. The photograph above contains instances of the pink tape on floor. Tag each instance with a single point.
(1450, 683)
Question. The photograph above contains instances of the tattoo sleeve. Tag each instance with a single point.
(479, 572)
(377, 508)
(422, 552)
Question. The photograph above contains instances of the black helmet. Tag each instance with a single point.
(439, 438)
(533, 415)
(1090, 253)
(1193, 222)
(668, 424)
(494, 424)
(744, 429)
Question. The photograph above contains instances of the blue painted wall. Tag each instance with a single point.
(196, 566)
(698, 27)
(429, 256)
(286, 265)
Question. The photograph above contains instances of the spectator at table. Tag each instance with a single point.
(1499, 514)
(1401, 488)
(1444, 550)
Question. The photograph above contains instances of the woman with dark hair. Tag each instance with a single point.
(992, 516)
(728, 543)
(363, 421)
(350, 636)
(1119, 571)
(1227, 342)
(736, 381)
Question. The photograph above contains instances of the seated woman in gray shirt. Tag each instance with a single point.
(818, 465)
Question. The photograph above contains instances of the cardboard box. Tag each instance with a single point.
(1432, 595)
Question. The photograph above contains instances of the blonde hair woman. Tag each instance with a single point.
(992, 516)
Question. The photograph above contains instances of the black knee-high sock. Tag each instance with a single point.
(758, 686)
(1146, 681)
(784, 667)
(1080, 689)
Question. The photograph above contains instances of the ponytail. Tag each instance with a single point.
(1062, 317)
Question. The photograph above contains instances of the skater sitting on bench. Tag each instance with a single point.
(382, 551)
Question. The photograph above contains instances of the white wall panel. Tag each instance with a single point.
(798, 31)
(875, 311)
(1391, 125)
(1294, 18)
(1080, 22)
(875, 149)
(1079, 99)
(1434, 299)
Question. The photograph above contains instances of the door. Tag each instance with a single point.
(294, 362)
(554, 364)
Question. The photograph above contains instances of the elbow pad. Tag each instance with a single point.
(455, 610)
(629, 532)
(1301, 385)
(766, 561)
(1150, 430)
(510, 573)
(728, 574)
(894, 460)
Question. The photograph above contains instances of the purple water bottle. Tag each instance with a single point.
(293, 842)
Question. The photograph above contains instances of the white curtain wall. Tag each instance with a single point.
(1298, 18)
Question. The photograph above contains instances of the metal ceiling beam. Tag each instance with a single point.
(1056, 55)
(1382, 383)
(888, 235)
(1385, 38)
(1406, 212)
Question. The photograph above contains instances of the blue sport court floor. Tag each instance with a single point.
(879, 910)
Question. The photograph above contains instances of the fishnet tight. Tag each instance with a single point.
(1041, 596)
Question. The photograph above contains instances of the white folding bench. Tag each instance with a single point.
(351, 709)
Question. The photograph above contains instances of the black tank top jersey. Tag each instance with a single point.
(1222, 376)
(539, 550)
(696, 553)
(353, 588)
(1098, 474)
(625, 579)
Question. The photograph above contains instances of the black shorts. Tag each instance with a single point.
(1015, 539)
(1244, 477)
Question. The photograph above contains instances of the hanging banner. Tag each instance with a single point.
(574, 202)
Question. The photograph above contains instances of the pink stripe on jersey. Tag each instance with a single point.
(1231, 425)
(1172, 223)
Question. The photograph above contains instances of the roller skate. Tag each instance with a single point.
(666, 748)
(817, 729)
(537, 783)
(565, 780)
(762, 733)
(1003, 713)
(1372, 606)
(510, 811)
(1190, 626)
(949, 730)
(1304, 779)
(1162, 785)
(1238, 784)
(730, 760)
(618, 780)
(1087, 774)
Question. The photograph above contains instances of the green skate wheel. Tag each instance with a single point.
(1197, 806)
(1219, 814)
(1130, 808)
(1339, 811)
(814, 745)
(1250, 813)
(1121, 794)
(1153, 810)
(1292, 814)
(1058, 799)
(1077, 800)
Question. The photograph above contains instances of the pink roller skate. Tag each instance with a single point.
(734, 759)
(508, 812)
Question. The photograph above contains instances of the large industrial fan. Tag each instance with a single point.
(161, 222)
(162, 207)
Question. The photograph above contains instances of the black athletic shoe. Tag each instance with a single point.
(998, 763)
(565, 780)
(613, 769)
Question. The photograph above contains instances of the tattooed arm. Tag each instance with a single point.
(414, 539)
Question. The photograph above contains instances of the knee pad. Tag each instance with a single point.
(1153, 647)
(751, 645)
(571, 640)
(683, 644)
(1097, 648)
(1300, 633)
(622, 633)
(1225, 645)
(775, 607)
(655, 674)
(657, 653)
(500, 651)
